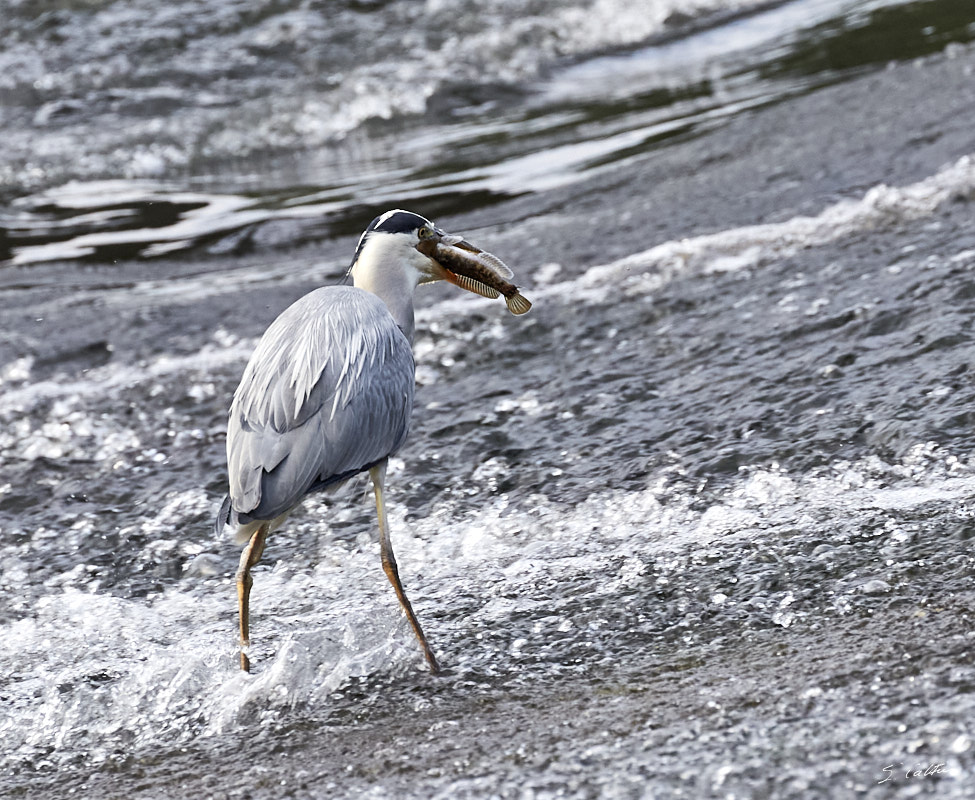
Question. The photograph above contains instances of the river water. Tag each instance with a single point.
(697, 525)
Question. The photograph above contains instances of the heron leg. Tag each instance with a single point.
(248, 558)
(378, 474)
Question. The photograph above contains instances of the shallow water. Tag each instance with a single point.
(698, 525)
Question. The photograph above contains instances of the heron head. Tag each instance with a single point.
(403, 240)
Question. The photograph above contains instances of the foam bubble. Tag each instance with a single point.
(755, 245)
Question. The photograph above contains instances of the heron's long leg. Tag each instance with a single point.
(378, 474)
(251, 555)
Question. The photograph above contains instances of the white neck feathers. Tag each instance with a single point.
(389, 266)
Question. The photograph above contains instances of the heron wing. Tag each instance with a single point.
(327, 393)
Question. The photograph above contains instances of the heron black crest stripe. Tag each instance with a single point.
(398, 221)
(395, 221)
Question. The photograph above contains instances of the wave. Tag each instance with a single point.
(91, 675)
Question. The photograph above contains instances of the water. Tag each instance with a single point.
(455, 118)
(698, 525)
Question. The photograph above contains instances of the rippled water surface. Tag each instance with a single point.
(698, 525)
(280, 107)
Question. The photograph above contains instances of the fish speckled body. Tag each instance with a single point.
(480, 272)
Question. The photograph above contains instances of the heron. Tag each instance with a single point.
(328, 391)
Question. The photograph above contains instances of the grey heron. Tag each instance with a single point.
(328, 392)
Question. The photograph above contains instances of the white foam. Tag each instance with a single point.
(480, 42)
(89, 673)
(114, 377)
(753, 246)
(737, 249)
(696, 57)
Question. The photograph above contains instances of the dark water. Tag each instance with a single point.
(453, 119)
(698, 525)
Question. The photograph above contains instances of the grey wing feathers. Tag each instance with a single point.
(327, 393)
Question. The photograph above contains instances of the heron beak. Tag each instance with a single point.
(458, 241)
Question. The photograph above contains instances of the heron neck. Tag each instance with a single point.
(394, 286)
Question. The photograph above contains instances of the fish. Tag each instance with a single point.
(479, 272)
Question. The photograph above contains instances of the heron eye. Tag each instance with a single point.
(425, 232)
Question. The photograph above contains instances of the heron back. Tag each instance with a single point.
(327, 393)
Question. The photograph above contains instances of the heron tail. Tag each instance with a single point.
(223, 516)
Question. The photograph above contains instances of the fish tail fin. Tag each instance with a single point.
(517, 304)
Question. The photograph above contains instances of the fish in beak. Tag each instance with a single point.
(473, 269)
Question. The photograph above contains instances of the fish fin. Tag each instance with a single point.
(475, 286)
(495, 264)
(517, 304)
